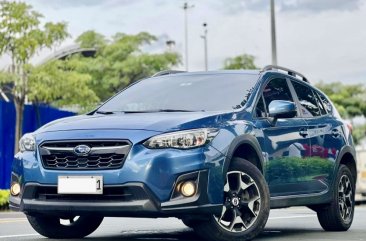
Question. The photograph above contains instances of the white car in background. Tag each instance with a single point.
(361, 167)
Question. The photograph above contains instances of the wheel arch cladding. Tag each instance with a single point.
(247, 147)
(348, 160)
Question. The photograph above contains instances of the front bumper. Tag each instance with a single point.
(128, 200)
(153, 172)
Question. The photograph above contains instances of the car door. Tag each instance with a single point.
(325, 136)
(285, 145)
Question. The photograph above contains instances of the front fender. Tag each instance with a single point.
(240, 140)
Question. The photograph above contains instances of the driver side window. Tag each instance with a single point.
(276, 89)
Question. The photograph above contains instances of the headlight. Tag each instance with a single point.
(182, 139)
(27, 143)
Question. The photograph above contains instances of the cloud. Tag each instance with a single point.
(60, 4)
(159, 45)
(235, 7)
(57, 4)
(316, 6)
(320, 38)
(320, 6)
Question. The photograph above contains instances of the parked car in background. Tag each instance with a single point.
(216, 149)
(361, 167)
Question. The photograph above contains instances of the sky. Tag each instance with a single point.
(323, 39)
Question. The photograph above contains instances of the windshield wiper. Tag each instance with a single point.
(160, 110)
(105, 112)
(176, 110)
(145, 111)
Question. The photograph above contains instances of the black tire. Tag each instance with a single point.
(214, 229)
(189, 222)
(334, 217)
(50, 226)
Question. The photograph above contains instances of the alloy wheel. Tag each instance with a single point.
(242, 202)
(67, 221)
(345, 198)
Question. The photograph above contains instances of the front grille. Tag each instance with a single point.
(109, 154)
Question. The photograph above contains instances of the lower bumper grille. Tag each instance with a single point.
(111, 194)
(84, 155)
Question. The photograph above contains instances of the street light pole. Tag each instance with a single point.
(273, 33)
(185, 8)
(204, 37)
(170, 45)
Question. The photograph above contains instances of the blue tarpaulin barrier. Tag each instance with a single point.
(34, 117)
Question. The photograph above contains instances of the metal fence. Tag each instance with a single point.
(34, 117)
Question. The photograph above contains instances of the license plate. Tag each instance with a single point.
(80, 185)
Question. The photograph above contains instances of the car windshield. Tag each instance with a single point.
(200, 92)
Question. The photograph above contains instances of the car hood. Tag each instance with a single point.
(160, 122)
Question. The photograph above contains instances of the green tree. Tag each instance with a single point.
(119, 61)
(85, 80)
(4, 199)
(91, 39)
(21, 37)
(56, 82)
(350, 100)
(243, 61)
(359, 133)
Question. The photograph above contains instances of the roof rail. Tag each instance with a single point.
(289, 71)
(167, 72)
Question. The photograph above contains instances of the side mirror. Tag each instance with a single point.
(282, 109)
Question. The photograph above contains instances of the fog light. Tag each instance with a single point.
(188, 189)
(15, 189)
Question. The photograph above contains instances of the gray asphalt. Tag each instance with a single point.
(283, 224)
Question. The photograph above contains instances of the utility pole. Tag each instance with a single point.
(204, 37)
(185, 8)
(273, 33)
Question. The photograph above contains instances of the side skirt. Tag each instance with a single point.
(301, 200)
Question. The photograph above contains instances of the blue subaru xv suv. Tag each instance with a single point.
(217, 150)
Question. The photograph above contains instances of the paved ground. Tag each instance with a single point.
(284, 224)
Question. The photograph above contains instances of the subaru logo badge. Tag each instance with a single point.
(82, 150)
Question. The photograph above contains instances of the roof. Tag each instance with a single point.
(214, 72)
(269, 68)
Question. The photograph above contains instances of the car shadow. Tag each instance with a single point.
(186, 234)
(189, 235)
(288, 233)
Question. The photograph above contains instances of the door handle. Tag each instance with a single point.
(335, 133)
(303, 133)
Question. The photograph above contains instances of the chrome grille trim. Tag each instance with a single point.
(104, 154)
(93, 149)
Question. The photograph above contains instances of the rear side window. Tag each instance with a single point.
(320, 103)
(308, 102)
(276, 89)
(326, 103)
